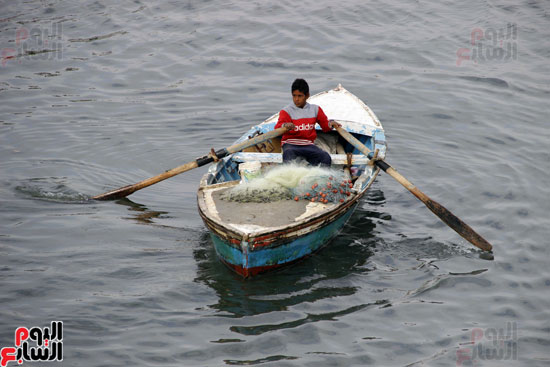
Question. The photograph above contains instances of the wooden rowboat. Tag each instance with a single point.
(251, 238)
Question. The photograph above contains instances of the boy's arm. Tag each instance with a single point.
(284, 118)
(322, 120)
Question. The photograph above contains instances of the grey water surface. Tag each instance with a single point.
(95, 95)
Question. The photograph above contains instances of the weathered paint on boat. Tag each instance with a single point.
(250, 251)
(250, 261)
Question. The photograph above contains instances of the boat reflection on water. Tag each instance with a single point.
(318, 277)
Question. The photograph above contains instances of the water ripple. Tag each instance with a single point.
(139, 88)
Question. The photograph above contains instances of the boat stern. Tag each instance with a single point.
(253, 256)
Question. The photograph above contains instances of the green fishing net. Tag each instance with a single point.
(294, 182)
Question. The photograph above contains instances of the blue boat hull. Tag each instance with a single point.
(247, 259)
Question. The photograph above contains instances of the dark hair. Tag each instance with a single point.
(300, 85)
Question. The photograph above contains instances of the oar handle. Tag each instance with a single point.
(443, 213)
(127, 190)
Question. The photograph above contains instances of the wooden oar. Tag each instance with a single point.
(127, 190)
(444, 214)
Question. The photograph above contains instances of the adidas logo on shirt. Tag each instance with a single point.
(305, 127)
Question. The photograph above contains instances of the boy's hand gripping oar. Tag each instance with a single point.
(445, 215)
(127, 190)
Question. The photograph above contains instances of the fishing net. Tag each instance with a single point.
(257, 190)
(325, 187)
(295, 182)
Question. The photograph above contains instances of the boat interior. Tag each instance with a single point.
(259, 216)
(269, 153)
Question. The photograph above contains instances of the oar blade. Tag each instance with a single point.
(129, 189)
(443, 213)
(121, 192)
(458, 225)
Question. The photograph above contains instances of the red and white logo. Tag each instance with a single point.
(304, 127)
(49, 345)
